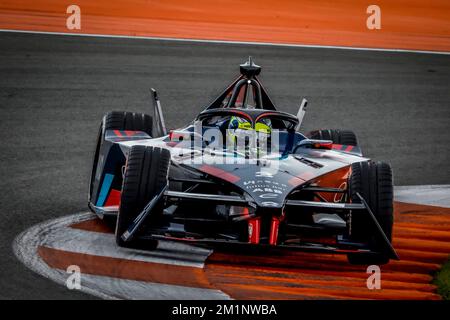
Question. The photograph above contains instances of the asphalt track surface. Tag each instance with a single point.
(54, 90)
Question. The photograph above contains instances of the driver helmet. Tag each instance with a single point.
(239, 128)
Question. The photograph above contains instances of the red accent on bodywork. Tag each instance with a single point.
(243, 115)
(323, 145)
(113, 198)
(175, 135)
(335, 179)
(266, 114)
(274, 226)
(342, 147)
(349, 148)
(295, 181)
(240, 97)
(117, 133)
(301, 178)
(219, 173)
(254, 226)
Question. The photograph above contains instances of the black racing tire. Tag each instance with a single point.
(117, 120)
(338, 136)
(95, 161)
(122, 120)
(146, 173)
(374, 182)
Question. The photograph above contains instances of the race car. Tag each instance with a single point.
(241, 174)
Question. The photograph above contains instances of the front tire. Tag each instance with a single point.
(373, 181)
(146, 174)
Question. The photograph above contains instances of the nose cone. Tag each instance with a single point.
(268, 190)
(267, 184)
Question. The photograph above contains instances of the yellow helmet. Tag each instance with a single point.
(238, 124)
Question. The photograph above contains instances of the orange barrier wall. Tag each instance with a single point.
(405, 24)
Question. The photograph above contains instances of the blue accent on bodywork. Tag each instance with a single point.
(107, 181)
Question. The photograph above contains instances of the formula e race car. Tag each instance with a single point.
(241, 174)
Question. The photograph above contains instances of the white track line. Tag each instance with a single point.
(103, 245)
(252, 43)
(431, 195)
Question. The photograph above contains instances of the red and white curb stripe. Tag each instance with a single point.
(56, 238)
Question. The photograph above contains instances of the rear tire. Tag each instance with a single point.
(373, 181)
(122, 120)
(338, 136)
(145, 175)
(100, 137)
(117, 120)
